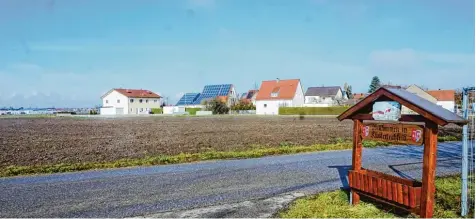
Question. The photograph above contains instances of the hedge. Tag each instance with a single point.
(335, 110)
(156, 110)
(192, 111)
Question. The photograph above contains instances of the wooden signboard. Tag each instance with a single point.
(393, 133)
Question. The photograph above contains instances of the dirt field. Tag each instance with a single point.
(29, 141)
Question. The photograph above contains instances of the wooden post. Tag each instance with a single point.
(357, 154)
(429, 170)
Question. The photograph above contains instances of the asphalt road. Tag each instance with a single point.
(133, 192)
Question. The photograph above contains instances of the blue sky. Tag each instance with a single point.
(70, 52)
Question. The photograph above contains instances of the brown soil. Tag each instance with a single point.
(31, 141)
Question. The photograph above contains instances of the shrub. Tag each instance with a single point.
(192, 111)
(336, 110)
(156, 111)
(217, 107)
(243, 106)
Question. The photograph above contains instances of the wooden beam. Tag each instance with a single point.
(429, 169)
(357, 155)
(404, 118)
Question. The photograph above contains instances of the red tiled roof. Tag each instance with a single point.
(137, 93)
(287, 89)
(359, 96)
(443, 95)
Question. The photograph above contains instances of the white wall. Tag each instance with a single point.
(111, 100)
(449, 105)
(298, 100)
(107, 111)
(272, 106)
(173, 109)
(317, 105)
(319, 100)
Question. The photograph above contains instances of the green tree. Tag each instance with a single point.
(217, 106)
(348, 90)
(374, 85)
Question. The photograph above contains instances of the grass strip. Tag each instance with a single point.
(335, 204)
(285, 148)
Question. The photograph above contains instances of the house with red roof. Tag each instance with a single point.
(278, 93)
(120, 101)
(444, 98)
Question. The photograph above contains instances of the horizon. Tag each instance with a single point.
(69, 53)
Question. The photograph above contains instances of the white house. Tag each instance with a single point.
(278, 93)
(324, 96)
(444, 98)
(419, 92)
(129, 101)
(249, 97)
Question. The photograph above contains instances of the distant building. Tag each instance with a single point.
(249, 97)
(223, 92)
(278, 93)
(129, 101)
(444, 98)
(359, 96)
(324, 96)
(419, 92)
(188, 99)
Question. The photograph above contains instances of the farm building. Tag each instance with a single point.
(249, 97)
(278, 93)
(224, 92)
(324, 96)
(129, 101)
(444, 98)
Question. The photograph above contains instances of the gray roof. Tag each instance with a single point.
(322, 91)
(425, 108)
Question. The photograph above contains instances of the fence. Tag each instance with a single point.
(468, 154)
(242, 112)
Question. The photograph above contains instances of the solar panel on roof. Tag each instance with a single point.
(213, 91)
(187, 99)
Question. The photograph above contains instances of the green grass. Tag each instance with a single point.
(29, 116)
(312, 110)
(169, 159)
(192, 111)
(156, 110)
(254, 152)
(335, 204)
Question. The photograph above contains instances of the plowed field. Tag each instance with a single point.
(31, 141)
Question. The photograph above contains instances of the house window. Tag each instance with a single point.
(107, 101)
(146, 101)
(265, 105)
(275, 92)
(118, 101)
(155, 101)
(132, 100)
(140, 101)
(141, 109)
(131, 109)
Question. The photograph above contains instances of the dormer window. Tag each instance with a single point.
(275, 92)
